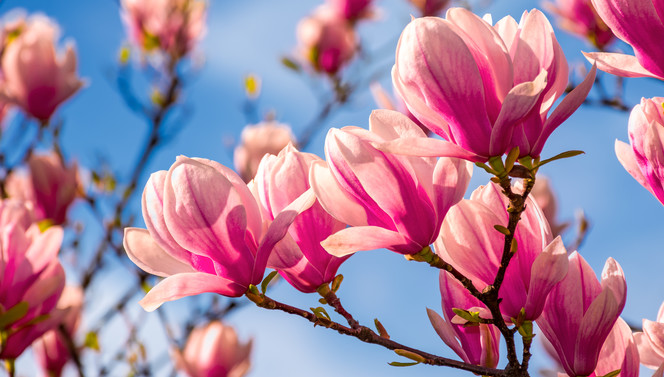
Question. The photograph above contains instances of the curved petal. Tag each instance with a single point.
(390, 125)
(350, 240)
(648, 356)
(549, 268)
(149, 256)
(335, 200)
(625, 155)
(426, 147)
(619, 64)
(189, 284)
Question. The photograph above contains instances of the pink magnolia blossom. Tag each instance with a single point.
(430, 7)
(478, 344)
(393, 102)
(256, 141)
(326, 41)
(172, 26)
(645, 159)
(51, 349)
(35, 78)
(204, 232)
(470, 243)
(580, 17)
(50, 187)
(639, 23)
(351, 10)
(214, 350)
(650, 341)
(299, 256)
(485, 89)
(31, 278)
(391, 201)
(580, 313)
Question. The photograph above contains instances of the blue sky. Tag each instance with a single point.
(250, 37)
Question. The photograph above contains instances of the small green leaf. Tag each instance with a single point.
(290, 64)
(336, 283)
(502, 229)
(15, 313)
(511, 159)
(399, 364)
(410, 355)
(321, 313)
(124, 55)
(322, 301)
(559, 156)
(612, 374)
(252, 85)
(473, 317)
(486, 168)
(267, 281)
(381, 329)
(91, 341)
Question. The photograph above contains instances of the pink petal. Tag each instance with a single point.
(359, 238)
(446, 333)
(549, 268)
(619, 64)
(451, 177)
(648, 355)
(593, 330)
(149, 256)
(625, 155)
(427, 147)
(189, 284)
(335, 200)
(390, 125)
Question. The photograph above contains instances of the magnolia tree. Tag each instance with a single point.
(471, 92)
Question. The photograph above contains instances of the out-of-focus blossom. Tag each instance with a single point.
(34, 76)
(430, 7)
(214, 350)
(351, 10)
(478, 345)
(171, 26)
(50, 187)
(543, 195)
(51, 349)
(204, 232)
(650, 341)
(299, 256)
(485, 89)
(256, 141)
(391, 201)
(326, 41)
(393, 102)
(581, 312)
(470, 243)
(639, 23)
(580, 17)
(31, 278)
(645, 159)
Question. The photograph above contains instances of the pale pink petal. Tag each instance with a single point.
(189, 284)
(359, 238)
(149, 256)
(446, 333)
(549, 268)
(335, 200)
(619, 64)
(648, 355)
(390, 125)
(593, 330)
(625, 155)
(427, 147)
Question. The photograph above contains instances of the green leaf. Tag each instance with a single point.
(336, 283)
(511, 159)
(267, 281)
(321, 313)
(612, 374)
(559, 156)
(15, 313)
(290, 64)
(381, 329)
(473, 317)
(91, 341)
(502, 229)
(399, 364)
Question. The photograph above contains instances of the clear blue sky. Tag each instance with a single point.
(250, 36)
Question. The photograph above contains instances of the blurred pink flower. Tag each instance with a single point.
(386, 101)
(486, 89)
(204, 232)
(478, 345)
(580, 17)
(429, 8)
(351, 10)
(639, 23)
(299, 256)
(35, 78)
(325, 41)
(49, 186)
(171, 26)
(51, 349)
(645, 159)
(214, 350)
(470, 243)
(256, 141)
(581, 312)
(31, 278)
(542, 193)
(391, 201)
(650, 341)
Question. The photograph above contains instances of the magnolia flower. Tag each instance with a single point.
(204, 232)
(327, 42)
(50, 187)
(32, 278)
(639, 23)
(214, 350)
(34, 77)
(479, 345)
(650, 341)
(351, 10)
(485, 89)
(391, 201)
(470, 243)
(299, 256)
(580, 17)
(51, 349)
(172, 26)
(645, 159)
(256, 141)
(386, 101)
(580, 313)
